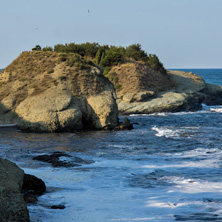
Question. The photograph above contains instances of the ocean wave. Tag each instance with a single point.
(151, 114)
(175, 132)
(217, 110)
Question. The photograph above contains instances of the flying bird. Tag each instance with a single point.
(88, 11)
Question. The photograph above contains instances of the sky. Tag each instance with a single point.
(182, 33)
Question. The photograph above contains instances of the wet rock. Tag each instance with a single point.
(126, 125)
(61, 207)
(30, 198)
(32, 184)
(56, 160)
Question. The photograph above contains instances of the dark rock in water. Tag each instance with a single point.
(61, 207)
(198, 217)
(30, 198)
(213, 94)
(32, 184)
(54, 159)
(126, 125)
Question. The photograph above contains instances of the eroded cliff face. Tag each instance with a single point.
(49, 92)
(141, 90)
(135, 77)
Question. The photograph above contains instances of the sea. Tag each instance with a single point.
(168, 168)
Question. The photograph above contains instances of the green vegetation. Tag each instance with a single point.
(155, 63)
(103, 55)
(73, 59)
(47, 49)
(37, 48)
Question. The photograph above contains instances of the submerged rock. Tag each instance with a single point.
(56, 161)
(61, 207)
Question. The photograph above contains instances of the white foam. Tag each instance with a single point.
(217, 110)
(151, 114)
(175, 132)
(186, 164)
(166, 132)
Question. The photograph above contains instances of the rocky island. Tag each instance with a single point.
(84, 86)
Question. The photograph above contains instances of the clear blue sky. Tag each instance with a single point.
(183, 33)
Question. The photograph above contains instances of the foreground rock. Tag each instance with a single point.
(151, 91)
(12, 205)
(50, 92)
(32, 184)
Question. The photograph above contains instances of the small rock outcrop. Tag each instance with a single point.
(52, 92)
(61, 159)
(32, 184)
(12, 204)
(125, 125)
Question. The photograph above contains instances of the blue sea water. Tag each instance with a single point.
(168, 168)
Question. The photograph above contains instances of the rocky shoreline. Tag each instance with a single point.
(17, 189)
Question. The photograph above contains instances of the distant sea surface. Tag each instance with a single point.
(168, 168)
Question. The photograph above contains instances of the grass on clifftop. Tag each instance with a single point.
(35, 71)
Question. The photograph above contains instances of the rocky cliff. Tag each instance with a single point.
(141, 90)
(49, 92)
(54, 92)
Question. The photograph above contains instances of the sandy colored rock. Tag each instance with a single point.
(55, 96)
(184, 93)
(187, 82)
(105, 110)
(163, 102)
(136, 77)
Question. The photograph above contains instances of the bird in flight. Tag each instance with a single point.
(88, 11)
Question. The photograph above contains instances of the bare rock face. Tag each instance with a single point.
(187, 82)
(164, 102)
(12, 205)
(53, 110)
(58, 109)
(56, 97)
(180, 91)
